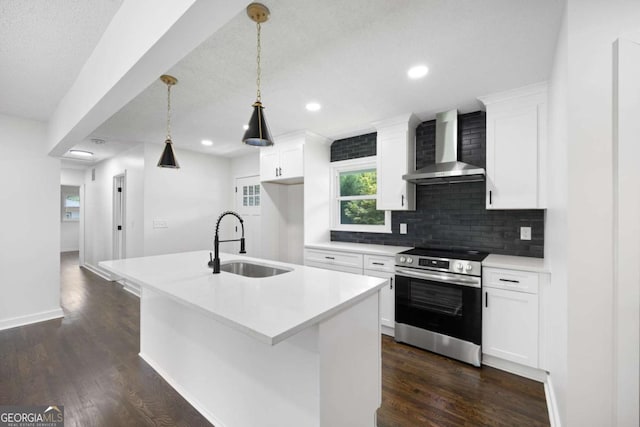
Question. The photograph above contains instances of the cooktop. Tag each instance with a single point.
(458, 254)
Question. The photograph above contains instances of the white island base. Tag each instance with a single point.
(298, 349)
(322, 376)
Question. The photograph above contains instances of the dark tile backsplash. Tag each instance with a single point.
(354, 147)
(453, 215)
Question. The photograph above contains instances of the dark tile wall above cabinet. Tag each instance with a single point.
(454, 215)
(354, 147)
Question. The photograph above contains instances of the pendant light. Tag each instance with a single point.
(168, 158)
(258, 132)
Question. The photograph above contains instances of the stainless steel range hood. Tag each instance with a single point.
(447, 169)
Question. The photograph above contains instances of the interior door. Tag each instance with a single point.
(119, 209)
(248, 201)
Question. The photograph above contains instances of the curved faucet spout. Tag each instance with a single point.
(215, 262)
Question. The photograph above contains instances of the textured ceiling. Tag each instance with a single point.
(43, 45)
(350, 56)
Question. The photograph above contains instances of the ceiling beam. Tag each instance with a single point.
(144, 40)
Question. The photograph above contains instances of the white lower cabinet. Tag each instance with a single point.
(510, 317)
(370, 265)
(384, 267)
(334, 260)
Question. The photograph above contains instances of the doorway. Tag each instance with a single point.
(119, 216)
(71, 217)
(248, 204)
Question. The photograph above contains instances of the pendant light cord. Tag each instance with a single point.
(169, 112)
(259, 70)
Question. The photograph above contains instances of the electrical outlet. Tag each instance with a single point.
(403, 228)
(525, 233)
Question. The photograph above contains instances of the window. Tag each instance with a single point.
(355, 195)
(251, 195)
(70, 203)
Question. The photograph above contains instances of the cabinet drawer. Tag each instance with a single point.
(513, 280)
(343, 259)
(379, 263)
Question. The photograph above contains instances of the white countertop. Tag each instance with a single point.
(522, 263)
(270, 309)
(362, 248)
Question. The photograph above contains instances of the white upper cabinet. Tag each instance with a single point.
(284, 161)
(395, 153)
(516, 148)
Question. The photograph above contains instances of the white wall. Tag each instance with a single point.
(98, 206)
(317, 203)
(72, 176)
(580, 215)
(293, 247)
(248, 165)
(556, 226)
(30, 214)
(189, 199)
(627, 231)
(69, 236)
(70, 230)
(282, 220)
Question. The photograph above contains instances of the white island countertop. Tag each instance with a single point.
(271, 309)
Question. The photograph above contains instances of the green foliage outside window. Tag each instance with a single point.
(361, 211)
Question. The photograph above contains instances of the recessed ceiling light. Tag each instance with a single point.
(207, 142)
(245, 127)
(81, 153)
(98, 141)
(313, 106)
(418, 71)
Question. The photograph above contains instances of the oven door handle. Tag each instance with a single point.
(440, 277)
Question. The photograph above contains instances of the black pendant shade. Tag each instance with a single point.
(258, 134)
(168, 158)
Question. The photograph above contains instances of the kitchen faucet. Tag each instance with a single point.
(215, 262)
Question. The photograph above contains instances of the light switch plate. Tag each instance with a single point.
(403, 228)
(525, 233)
(160, 223)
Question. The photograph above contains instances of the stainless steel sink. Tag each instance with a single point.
(249, 269)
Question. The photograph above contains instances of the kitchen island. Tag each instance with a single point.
(300, 348)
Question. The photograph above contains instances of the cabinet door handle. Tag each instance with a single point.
(486, 299)
(490, 201)
(377, 263)
(280, 171)
(403, 200)
(329, 257)
(509, 280)
(391, 283)
(276, 171)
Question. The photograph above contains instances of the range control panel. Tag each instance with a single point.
(471, 268)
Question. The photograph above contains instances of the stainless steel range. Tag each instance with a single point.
(439, 302)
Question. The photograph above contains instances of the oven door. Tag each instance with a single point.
(446, 303)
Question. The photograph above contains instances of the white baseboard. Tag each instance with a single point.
(14, 322)
(552, 403)
(387, 330)
(98, 272)
(132, 288)
(514, 368)
(192, 401)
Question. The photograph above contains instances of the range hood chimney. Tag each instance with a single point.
(447, 169)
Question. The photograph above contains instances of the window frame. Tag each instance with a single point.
(352, 165)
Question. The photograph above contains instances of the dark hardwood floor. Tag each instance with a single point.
(89, 363)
